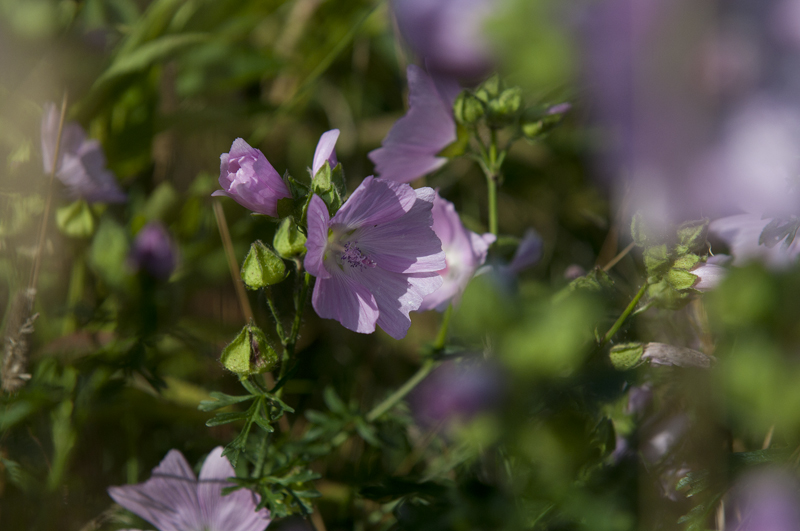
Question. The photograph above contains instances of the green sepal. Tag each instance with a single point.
(249, 353)
(468, 109)
(536, 123)
(640, 232)
(289, 241)
(681, 279)
(76, 219)
(262, 267)
(664, 295)
(323, 186)
(626, 356)
(656, 259)
(337, 178)
(693, 235)
(686, 261)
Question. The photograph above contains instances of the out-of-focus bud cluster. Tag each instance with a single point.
(491, 101)
(672, 260)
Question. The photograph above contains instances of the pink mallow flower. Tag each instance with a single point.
(325, 151)
(248, 178)
(410, 149)
(464, 250)
(742, 233)
(376, 258)
(81, 164)
(173, 499)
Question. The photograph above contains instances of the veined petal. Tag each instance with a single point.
(325, 150)
(233, 512)
(375, 201)
(407, 244)
(396, 295)
(340, 297)
(317, 241)
(168, 500)
(409, 150)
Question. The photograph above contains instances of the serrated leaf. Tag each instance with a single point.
(222, 400)
(225, 418)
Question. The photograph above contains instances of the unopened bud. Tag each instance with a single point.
(249, 353)
(262, 267)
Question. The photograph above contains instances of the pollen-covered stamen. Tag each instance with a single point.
(353, 256)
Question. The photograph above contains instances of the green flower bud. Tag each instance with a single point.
(262, 267)
(76, 219)
(468, 109)
(626, 356)
(489, 89)
(289, 241)
(249, 353)
(323, 185)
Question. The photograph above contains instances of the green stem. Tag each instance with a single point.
(441, 336)
(492, 185)
(278, 324)
(291, 342)
(492, 171)
(617, 325)
(378, 411)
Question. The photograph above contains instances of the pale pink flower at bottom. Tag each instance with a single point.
(464, 251)
(173, 499)
(376, 258)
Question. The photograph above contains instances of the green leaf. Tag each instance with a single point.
(149, 53)
(262, 267)
(75, 220)
(225, 418)
(289, 241)
(109, 252)
(334, 403)
(222, 400)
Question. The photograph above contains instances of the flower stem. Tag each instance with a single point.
(617, 325)
(491, 169)
(441, 336)
(378, 411)
(227, 244)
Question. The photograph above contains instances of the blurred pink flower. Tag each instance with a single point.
(447, 35)
(743, 232)
(376, 258)
(154, 251)
(173, 499)
(248, 178)
(81, 165)
(764, 499)
(411, 148)
(464, 251)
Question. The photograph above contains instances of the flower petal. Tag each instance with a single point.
(407, 244)
(325, 150)
(232, 512)
(168, 500)
(374, 202)
(342, 298)
(409, 150)
(397, 294)
(317, 238)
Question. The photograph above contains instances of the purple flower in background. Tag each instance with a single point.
(742, 233)
(410, 149)
(81, 165)
(376, 258)
(764, 500)
(325, 151)
(528, 253)
(457, 391)
(173, 499)
(248, 178)
(464, 251)
(154, 251)
(447, 34)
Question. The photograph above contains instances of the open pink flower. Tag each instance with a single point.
(464, 251)
(248, 178)
(376, 258)
(411, 148)
(173, 499)
(81, 164)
